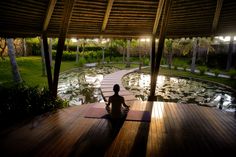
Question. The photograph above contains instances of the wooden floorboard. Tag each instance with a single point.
(174, 130)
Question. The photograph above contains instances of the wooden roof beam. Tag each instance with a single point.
(49, 12)
(158, 16)
(217, 15)
(107, 14)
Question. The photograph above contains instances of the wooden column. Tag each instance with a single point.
(166, 14)
(153, 77)
(47, 61)
(69, 4)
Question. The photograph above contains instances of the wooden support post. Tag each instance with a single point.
(69, 4)
(166, 14)
(153, 78)
(60, 47)
(47, 61)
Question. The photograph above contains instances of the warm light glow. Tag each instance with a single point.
(74, 40)
(145, 39)
(96, 40)
(158, 110)
(225, 39)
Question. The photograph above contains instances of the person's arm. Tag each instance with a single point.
(124, 104)
(108, 106)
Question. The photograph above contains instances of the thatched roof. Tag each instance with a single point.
(117, 18)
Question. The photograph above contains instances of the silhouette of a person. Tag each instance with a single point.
(117, 101)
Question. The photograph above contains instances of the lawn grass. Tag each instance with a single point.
(30, 70)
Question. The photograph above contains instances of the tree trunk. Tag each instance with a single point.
(195, 49)
(24, 47)
(42, 58)
(77, 52)
(170, 57)
(140, 56)
(12, 56)
(128, 54)
(50, 51)
(230, 53)
(207, 53)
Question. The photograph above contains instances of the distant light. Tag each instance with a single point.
(145, 39)
(225, 39)
(96, 39)
(74, 40)
(142, 40)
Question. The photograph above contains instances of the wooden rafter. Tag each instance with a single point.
(49, 12)
(107, 14)
(217, 15)
(158, 16)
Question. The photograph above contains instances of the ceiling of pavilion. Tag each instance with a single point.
(127, 18)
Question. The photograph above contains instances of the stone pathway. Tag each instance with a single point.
(115, 78)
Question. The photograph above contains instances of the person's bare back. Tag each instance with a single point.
(117, 101)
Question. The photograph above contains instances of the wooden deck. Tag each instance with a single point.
(115, 78)
(174, 130)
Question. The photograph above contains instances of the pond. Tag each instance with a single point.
(179, 90)
(81, 86)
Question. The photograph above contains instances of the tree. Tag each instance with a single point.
(3, 45)
(195, 50)
(230, 53)
(43, 58)
(12, 56)
(168, 47)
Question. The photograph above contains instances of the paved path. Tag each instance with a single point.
(115, 78)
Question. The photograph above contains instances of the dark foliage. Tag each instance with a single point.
(20, 100)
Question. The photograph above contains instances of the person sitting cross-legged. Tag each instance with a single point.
(117, 112)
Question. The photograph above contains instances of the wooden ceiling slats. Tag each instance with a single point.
(127, 17)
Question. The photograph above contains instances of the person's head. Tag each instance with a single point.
(116, 88)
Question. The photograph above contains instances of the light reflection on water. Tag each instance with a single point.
(82, 86)
(180, 90)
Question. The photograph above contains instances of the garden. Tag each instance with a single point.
(203, 78)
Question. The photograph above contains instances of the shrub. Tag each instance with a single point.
(216, 72)
(232, 73)
(185, 67)
(81, 61)
(19, 100)
(145, 61)
(202, 69)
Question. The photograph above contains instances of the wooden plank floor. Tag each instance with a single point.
(174, 130)
(115, 78)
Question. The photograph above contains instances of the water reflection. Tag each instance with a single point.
(180, 90)
(82, 86)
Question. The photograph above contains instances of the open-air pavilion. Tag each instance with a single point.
(174, 129)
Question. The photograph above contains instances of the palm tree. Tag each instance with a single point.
(12, 56)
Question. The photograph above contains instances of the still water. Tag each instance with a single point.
(180, 90)
(82, 86)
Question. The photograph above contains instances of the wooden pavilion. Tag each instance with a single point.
(173, 131)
